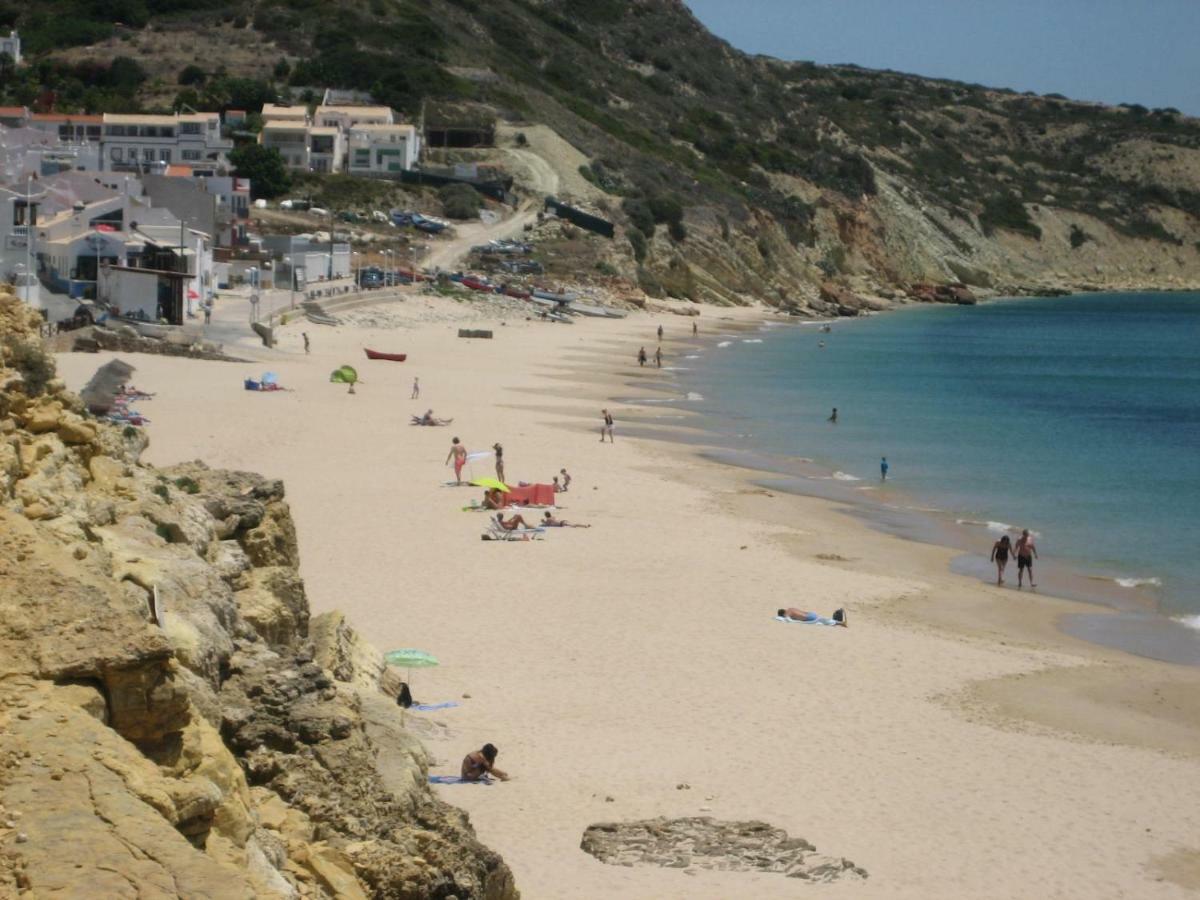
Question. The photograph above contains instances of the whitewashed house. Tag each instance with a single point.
(375, 148)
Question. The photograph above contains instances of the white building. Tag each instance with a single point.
(326, 149)
(12, 46)
(382, 148)
(274, 113)
(146, 143)
(344, 117)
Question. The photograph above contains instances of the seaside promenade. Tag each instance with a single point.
(951, 741)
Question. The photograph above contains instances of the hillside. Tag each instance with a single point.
(733, 175)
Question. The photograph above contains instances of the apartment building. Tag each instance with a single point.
(141, 143)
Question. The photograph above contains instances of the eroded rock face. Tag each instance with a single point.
(706, 843)
(165, 727)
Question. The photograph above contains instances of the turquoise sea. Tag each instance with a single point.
(1077, 417)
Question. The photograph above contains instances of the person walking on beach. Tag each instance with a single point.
(607, 427)
(304, 334)
(476, 766)
(642, 356)
(660, 333)
(416, 391)
(1026, 554)
(658, 357)
(499, 461)
(695, 329)
(883, 469)
(458, 452)
(207, 314)
(1000, 551)
(833, 416)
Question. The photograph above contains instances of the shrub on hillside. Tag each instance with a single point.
(459, 201)
(1007, 211)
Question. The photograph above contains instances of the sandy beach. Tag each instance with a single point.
(952, 741)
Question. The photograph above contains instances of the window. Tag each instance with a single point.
(116, 153)
(115, 130)
(148, 154)
(189, 128)
(191, 154)
(164, 155)
(64, 132)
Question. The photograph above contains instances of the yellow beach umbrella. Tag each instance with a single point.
(490, 484)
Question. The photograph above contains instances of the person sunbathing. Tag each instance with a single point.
(493, 499)
(477, 765)
(512, 523)
(550, 522)
(804, 615)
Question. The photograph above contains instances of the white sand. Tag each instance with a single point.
(622, 660)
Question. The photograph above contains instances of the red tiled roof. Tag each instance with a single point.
(178, 170)
(10, 111)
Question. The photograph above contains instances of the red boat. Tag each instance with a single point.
(394, 357)
(477, 284)
(510, 291)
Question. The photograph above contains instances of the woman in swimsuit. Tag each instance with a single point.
(1000, 551)
(481, 763)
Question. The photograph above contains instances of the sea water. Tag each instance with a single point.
(1077, 417)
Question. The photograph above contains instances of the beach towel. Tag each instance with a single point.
(430, 707)
(817, 620)
(455, 779)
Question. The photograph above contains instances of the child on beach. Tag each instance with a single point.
(416, 391)
(607, 427)
(566, 479)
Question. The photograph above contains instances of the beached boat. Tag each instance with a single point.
(394, 357)
(321, 319)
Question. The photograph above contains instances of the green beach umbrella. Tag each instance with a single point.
(345, 375)
(410, 659)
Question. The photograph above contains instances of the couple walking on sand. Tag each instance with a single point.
(1026, 552)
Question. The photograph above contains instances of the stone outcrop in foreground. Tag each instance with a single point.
(172, 724)
(703, 842)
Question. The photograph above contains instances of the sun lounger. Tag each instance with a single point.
(816, 620)
(496, 532)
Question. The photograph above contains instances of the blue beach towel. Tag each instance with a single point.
(430, 707)
(816, 620)
(454, 779)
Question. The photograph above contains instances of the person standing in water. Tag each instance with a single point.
(1000, 551)
(833, 416)
(695, 329)
(458, 452)
(416, 391)
(642, 356)
(883, 468)
(660, 332)
(1026, 554)
(658, 357)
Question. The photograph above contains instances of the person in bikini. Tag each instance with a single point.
(476, 766)
(550, 522)
(512, 523)
(1026, 554)
(804, 615)
(1000, 551)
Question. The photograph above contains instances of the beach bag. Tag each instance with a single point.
(404, 698)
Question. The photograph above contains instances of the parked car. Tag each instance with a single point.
(295, 205)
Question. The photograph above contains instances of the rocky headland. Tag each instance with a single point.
(173, 722)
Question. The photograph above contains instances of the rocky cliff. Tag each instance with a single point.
(172, 721)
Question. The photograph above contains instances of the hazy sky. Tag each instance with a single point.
(1117, 51)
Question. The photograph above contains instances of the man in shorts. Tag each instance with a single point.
(607, 427)
(1026, 554)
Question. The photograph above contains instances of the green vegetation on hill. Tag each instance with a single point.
(663, 108)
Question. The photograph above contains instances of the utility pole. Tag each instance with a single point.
(28, 235)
